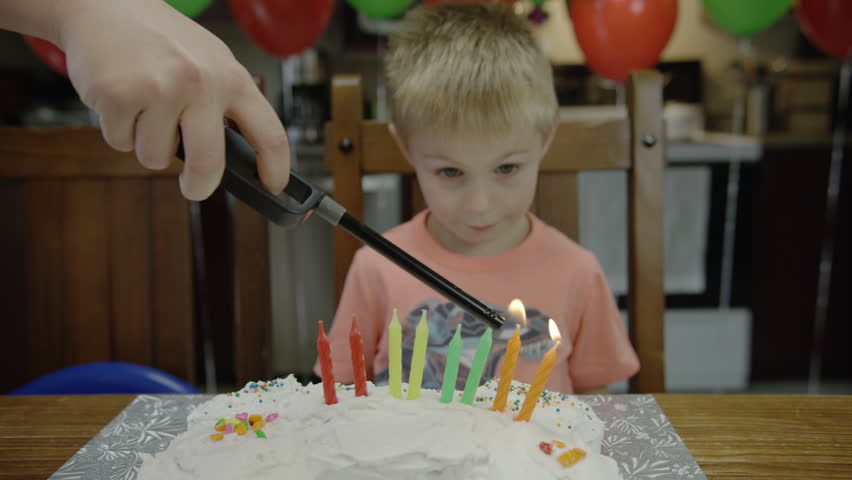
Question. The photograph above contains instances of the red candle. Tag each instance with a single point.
(358, 367)
(324, 349)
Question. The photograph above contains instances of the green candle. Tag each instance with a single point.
(478, 366)
(395, 356)
(451, 371)
(415, 376)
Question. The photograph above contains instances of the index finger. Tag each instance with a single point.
(259, 124)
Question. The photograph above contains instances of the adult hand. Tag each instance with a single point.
(146, 69)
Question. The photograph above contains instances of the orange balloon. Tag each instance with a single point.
(622, 36)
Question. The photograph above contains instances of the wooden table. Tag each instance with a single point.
(731, 436)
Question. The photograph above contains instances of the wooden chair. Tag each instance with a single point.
(97, 254)
(355, 146)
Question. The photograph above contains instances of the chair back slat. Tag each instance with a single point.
(556, 202)
(645, 190)
(100, 251)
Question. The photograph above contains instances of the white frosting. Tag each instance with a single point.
(381, 437)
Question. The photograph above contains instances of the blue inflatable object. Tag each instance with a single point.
(105, 378)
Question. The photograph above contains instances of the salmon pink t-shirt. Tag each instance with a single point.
(551, 274)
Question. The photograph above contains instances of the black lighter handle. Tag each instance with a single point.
(241, 180)
(300, 197)
(467, 302)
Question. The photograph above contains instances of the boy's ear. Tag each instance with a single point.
(399, 141)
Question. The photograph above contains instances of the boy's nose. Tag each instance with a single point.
(479, 199)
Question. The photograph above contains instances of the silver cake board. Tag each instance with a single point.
(638, 436)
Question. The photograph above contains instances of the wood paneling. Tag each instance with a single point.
(48, 327)
(66, 152)
(13, 294)
(253, 318)
(173, 320)
(87, 288)
(102, 252)
(130, 248)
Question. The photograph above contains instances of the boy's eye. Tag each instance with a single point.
(449, 172)
(507, 169)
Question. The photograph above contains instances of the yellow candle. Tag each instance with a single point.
(541, 376)
(395, 356)
(418, 357)
(509, 362)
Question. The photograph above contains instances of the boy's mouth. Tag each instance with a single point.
(481, 228)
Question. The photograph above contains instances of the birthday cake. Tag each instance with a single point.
(283, 430)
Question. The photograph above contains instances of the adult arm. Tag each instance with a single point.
(148, 70)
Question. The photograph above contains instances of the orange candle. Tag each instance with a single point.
(510, 360)
(541, 376)
(358, 367)
(324, 349)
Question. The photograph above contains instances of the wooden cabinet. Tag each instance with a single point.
(787, 237)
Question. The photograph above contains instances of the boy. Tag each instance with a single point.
(474, 113)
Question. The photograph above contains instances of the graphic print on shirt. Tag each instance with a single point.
(443, 319)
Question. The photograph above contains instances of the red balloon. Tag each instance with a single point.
(828, 24)
(48, 53)
(282, 27)
(621, 36)
(430, 3)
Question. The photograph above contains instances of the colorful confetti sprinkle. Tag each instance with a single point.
(571, 457)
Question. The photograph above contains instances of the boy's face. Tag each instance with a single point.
(478, 191)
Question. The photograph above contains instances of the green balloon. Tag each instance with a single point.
(381, 8)
(190, 8)
(746, 17)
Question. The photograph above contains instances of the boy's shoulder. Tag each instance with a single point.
(555, 246)
(407, 231)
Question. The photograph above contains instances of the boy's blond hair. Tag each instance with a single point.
(472, 68)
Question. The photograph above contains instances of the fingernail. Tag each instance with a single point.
(194, 190)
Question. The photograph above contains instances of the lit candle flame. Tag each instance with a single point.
(554, 331)
(548, 361)
(518, 312)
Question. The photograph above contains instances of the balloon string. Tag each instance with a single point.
(733, 185)
(827, 251)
